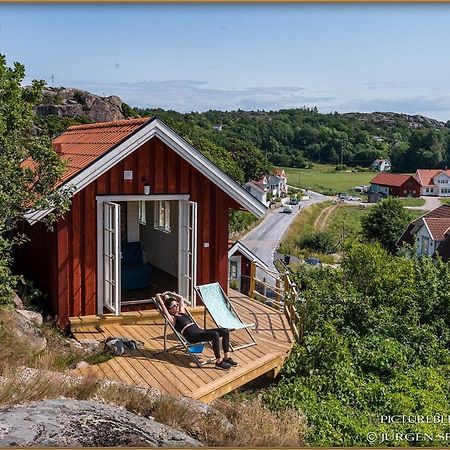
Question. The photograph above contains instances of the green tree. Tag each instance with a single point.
(30, 168)
(385, 222)
(376, 342)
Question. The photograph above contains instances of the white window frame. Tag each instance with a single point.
(162, 216)
(142, 213)
(425, 245)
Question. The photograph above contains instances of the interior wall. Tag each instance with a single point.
(132, 221)
(161, 248)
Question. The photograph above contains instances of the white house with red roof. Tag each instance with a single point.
(430, 233)
(278, 183)
(381, 165)
(259, 189)
(434, 182)
(274, 184)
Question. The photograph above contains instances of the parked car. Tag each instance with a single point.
(343, 196)
(355, 199)
(313, 261)
(293, 201)
(287, 209)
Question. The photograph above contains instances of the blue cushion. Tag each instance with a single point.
(132, 253)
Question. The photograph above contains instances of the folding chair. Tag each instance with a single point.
(191, 349)
(222, 311)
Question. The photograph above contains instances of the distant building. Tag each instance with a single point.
(381, 165)
(434, 182)
(430, 234)
(396, 185)
(278, 183)
(259, 189)
(274, 184)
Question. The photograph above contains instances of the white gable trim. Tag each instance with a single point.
(238, 246)
(157, 128)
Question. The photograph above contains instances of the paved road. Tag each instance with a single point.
(264, 239)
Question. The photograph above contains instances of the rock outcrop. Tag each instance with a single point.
(390, 119)
(70, 102)
(27, 325)
(74, 423)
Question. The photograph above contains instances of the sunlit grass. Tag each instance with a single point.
(324, 179)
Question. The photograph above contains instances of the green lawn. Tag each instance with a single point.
(445, 201)
(346, 219)
(412, 201)
(324, 179)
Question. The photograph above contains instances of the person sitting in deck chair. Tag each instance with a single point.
(173, 309)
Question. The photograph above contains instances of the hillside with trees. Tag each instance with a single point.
(247, 143)
(297, 137)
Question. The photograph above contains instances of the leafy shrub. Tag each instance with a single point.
(376, 343)
(319, 241)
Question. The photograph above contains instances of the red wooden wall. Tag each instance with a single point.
(70, 274)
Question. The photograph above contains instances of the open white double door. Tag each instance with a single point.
(109, 283)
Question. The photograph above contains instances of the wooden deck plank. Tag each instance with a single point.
(178, 370)
(180, 358)
(140, 361)
(143, 374)
(175, 372)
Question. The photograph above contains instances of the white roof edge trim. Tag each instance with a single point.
(209, 169)
(157, 128)
(239, 246)
(428, 228)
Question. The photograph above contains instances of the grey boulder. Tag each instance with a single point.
(73, 423)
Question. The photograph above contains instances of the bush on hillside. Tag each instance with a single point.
(376, 343)
(319, 241)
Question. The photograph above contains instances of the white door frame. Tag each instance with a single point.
(187, 248)
(237, 259)
(100, 199)
(111, 257)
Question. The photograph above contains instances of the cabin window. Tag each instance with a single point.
(142, 215)
(162, 216)
(425, 245)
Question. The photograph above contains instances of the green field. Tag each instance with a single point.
(324, 179)
(412, 201)
(346, 220)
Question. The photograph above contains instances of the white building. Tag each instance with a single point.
(381, 165)
(434, 182)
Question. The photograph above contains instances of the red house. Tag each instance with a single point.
(149, 213)
(397, 185)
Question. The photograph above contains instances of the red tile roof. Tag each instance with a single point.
(425, 176)
(438, 227)
(279, 172)
(442, 211)
(81, 145)
(390, 179)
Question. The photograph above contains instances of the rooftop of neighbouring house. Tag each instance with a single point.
(438, 226)
(390, 179)
(425, 176)
(81, 145)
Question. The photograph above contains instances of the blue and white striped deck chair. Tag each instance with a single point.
(222, 311)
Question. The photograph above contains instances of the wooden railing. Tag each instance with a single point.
(278, 290)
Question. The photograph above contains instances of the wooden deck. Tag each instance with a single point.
(174, 372)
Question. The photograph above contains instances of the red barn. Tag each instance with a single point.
(149, 213)
(397, 185)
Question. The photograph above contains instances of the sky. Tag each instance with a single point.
(195, 57)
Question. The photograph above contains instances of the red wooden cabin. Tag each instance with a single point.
(135, 181)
